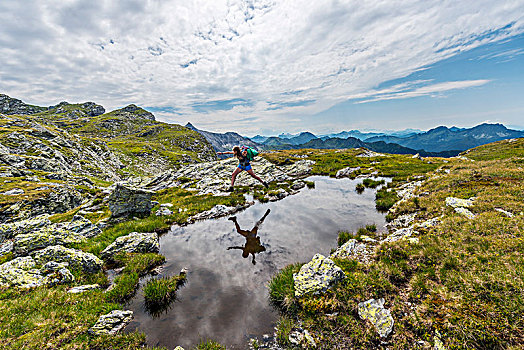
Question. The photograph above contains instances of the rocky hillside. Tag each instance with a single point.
(53, 158)
(224, 142)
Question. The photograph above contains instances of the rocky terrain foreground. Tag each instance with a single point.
(85, 194)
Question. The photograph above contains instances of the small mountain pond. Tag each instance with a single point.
(226, 296)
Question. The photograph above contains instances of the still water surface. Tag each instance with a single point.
(226, 296)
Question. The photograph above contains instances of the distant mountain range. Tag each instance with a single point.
(440, 141)
(445, 139)
(224, 142)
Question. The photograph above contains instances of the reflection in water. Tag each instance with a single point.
(225, 298)
(252, 245)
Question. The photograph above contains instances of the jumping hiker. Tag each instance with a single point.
(243, 164)
(252, 245)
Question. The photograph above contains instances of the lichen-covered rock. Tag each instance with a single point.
(56, 273)
(130, 201)
(84, 288)
(20, 272)
(374, 311)
(45, 237)
(302, 337)
(10, 230)
(399, 234)
(111, 323)
(6, 248)
(352, 249)
(77, 259)
(317, 276)
(439, 345)
(135, 242)
(83, 227)
(459, 202)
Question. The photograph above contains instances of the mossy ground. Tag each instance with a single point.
(463, 279)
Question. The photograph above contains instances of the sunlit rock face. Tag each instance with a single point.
(135, 242)
(317, 276)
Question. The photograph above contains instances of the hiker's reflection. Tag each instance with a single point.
(252, 245)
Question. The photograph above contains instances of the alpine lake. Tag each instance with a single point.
(225, 297)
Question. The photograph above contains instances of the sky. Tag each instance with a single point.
(272, 66)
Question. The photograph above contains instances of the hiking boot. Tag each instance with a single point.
(230, 189)
(265, 184)
(233, 218)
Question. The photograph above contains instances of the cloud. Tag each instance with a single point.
(175, 55)
(403, 90)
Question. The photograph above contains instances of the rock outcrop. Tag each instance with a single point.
(22, 272)
(317, 276)
(353, 249)
(45, 237)
(460, 205)
(77, 259)
(130, 201)
(134, 242)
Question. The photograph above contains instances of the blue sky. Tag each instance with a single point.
(272, 66)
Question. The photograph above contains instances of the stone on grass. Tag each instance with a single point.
(459, 202)
(10, 230)
(352, 249)
(163, 211)
(217, 211)
(130, 201)
(83, 227)
(302, 337)
(439, 345)
(112, 322)
(317, 276)
(84, 288)
(135, 242)
(56, 273)
(22, 272)
(13, 192)
(44, 237)
(507, 213)
(466, 212)
(77, 259)
(374, 311)
(399, 234)
(346, 172)
(430, 223)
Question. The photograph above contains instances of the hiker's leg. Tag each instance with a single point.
(250, 172)
(233, 177)
(259, 222)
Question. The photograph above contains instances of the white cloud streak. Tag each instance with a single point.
(269, 53)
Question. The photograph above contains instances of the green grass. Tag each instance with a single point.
(370, 183)
(159, 292)
(281, 289)
(136, 265)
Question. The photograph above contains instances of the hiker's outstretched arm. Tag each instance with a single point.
(235, 248)
(225, 152)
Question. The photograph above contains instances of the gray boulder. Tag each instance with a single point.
(317, 276)
(83, 227)
(45, 237)
(215, 212)
(134, 242)
(346, 172)
(76, 258)
(112, 322)
(130, 201)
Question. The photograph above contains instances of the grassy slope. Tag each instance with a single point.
(464, 278)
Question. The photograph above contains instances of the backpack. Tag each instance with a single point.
(251, 152)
